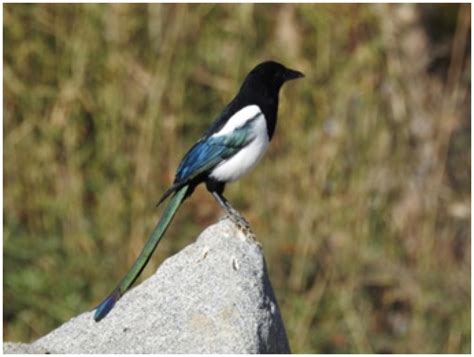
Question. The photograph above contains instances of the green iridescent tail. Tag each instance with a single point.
(109, 302)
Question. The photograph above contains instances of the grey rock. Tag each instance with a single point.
(212, 297)
(21, 348)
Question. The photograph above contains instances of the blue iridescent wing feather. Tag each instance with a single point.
(209, 152)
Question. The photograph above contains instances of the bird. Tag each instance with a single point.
(231, 147)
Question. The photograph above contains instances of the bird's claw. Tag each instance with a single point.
(244, 227)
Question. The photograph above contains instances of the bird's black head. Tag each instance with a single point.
(269, 77)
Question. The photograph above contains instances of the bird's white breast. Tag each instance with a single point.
(242, 162)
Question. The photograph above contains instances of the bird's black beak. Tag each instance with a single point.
(292, 74)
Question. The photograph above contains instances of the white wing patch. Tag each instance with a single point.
(239, 119)
(242, 162)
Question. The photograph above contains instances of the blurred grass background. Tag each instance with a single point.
(362, 203)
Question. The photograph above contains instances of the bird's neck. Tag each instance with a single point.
(268, 103)
(270, 111)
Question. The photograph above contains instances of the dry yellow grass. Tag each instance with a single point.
(362, 203)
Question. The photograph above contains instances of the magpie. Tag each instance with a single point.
(231, 147)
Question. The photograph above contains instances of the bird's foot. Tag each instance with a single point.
(244, 227)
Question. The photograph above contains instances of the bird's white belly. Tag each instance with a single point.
(242, 162)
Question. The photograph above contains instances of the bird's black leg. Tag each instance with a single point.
(235, 216)
(232, 213)
(217, 188)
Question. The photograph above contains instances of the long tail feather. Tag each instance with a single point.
(175, 188)
(109, 302)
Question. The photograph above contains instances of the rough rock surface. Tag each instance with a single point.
(212, 297)
(22, 348)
